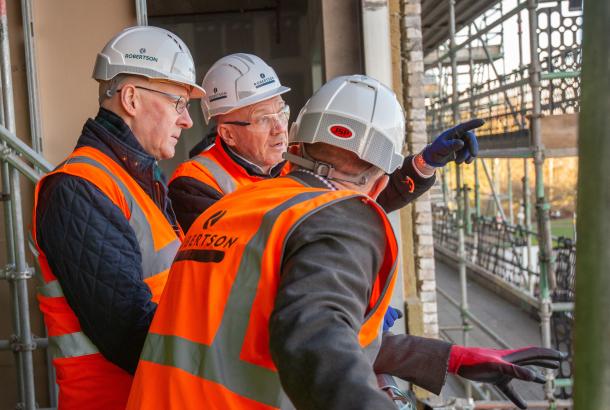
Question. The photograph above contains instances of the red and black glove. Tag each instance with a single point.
(499, 367)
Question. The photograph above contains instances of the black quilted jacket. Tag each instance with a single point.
(92, 249)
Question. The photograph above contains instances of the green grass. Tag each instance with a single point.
(559, 227)
(562, 227)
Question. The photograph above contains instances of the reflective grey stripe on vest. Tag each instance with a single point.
(222, 177)
(220, 361)
(51, 289)
(71, 345)
(153, 262)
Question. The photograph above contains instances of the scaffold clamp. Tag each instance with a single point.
(10, 273)
(18, 346)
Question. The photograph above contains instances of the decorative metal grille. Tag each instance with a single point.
(505, 101)
(560, 50)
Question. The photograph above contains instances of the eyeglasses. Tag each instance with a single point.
(265, 122)
(181, 102)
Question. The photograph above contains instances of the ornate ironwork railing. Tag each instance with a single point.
(496, 246)
(501, 249)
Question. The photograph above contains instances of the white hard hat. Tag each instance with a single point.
(238, 80)
(356, 113)
(150, 52)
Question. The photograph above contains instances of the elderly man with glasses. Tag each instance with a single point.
(103, 224)
(251, 134)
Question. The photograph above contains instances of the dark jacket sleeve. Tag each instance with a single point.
(94, 253)
(190, 198)
(419, 360)
(327, 273)
(405, 186)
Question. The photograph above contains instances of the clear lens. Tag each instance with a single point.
(266, 122)
(182, 104)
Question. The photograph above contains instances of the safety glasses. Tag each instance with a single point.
(265, 122)
(181, 102)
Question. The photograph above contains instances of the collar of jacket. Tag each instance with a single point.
(311, 180)
(109, 134)
(251, 169)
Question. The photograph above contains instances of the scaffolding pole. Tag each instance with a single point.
(23, 342)
(509, 193)
(545, 252)
(459, 189)
(8, 197)
(592, 324)
(32, 75)
(8, 120)
(141, 12)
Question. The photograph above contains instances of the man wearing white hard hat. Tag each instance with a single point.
(244, 99)
(103, 224)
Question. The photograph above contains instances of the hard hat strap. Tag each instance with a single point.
(324, 169)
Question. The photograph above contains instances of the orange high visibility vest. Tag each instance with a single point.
(208, 344)
(214, 167)
(86, 379)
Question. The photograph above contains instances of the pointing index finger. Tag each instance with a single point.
(461, 128)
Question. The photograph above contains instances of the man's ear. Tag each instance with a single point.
(380, 184)
(227, 135)
(129, 99)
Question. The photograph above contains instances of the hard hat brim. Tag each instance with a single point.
(254, 99)
(197, 91)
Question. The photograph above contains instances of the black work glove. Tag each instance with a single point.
(457, 144)
(499, 367)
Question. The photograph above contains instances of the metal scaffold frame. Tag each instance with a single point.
(537, 280)
(17, 159)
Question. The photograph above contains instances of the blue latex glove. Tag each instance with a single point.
(455, 144)
(390, 317)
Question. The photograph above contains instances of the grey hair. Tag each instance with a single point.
(108, 88)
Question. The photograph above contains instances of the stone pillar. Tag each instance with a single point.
(420, 282)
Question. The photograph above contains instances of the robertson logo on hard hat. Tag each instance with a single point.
(263, 81)
(141, 56)
(341, 131)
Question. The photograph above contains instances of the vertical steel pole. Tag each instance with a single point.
(32, 75)
(545, 253)
(9, 200)
(467, 217)
(527, 215)
(445, 187)
(9, 123)
(459, 188)
(592, 324)
(22, 273)
(477, 189)
(141, 12)
(509, 193)
(477, 200)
